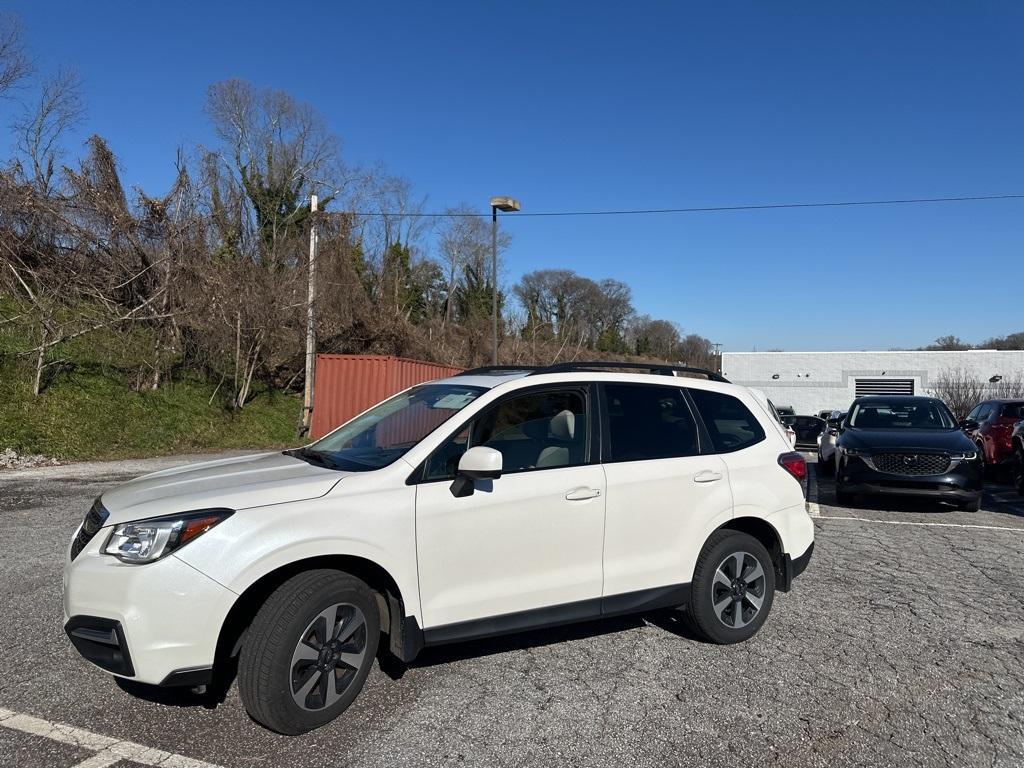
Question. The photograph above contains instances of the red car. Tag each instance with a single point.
(989, 425)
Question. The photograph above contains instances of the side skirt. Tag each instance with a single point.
(558, 615)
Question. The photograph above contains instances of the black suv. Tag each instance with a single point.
(906, 446)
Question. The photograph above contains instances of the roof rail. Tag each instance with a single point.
(662, 369)
(483, 370)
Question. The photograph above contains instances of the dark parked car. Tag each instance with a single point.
(989, 425)
(906, 446)
(1017, 441)
(807, 429)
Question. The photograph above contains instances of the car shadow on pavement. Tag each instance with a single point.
(669, 620)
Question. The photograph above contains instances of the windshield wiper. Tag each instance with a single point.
(311, 457)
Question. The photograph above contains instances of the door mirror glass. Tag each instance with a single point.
(968, 424)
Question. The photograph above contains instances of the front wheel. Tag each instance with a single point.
(974, 505)
(308, 651)
(827, 465)
(733, 588)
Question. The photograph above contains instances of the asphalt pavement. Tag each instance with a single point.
(901, 645)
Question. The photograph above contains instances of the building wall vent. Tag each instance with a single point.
(883, 387)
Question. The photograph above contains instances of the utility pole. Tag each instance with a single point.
(307, 399)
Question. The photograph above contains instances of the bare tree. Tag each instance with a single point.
(277, 151)
(15, 64)
(960, 390)
(43, 123)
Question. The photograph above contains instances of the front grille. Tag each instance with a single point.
(94, 520)
(917, 464)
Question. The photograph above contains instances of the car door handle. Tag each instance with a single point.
(582, 494)
(707, 476)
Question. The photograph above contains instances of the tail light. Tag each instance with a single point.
(795, 464)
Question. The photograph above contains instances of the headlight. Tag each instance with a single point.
(964, 456)
(144, 541)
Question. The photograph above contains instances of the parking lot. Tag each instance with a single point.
(901, 644)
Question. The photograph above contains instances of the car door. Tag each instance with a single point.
(663, 489)
(527, 541)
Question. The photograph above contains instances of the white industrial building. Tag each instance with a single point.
(815, 381)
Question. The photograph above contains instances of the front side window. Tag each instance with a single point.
(535, 430)
(919, 414)
(731, 424)
(648, 422)
(386, 431)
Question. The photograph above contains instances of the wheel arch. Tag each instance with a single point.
(405, 639)
(768, 536)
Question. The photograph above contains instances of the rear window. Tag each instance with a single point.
(808, 421)
(731, 425)
(1013, 411)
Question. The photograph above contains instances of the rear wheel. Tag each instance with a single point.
(309, 651)
(733, 588)
(1018, 469)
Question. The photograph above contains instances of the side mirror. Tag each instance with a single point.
(968, 424)
(478, 463)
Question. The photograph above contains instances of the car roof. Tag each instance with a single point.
(504, 378)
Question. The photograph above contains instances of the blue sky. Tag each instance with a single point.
(572, 105)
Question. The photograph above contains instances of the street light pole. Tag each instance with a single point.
(505, 205)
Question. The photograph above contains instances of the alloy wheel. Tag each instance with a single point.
(328, 656)
(738, 589)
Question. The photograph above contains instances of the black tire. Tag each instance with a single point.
(293, 617)
(972, 506)
(827, 466)
(719, 553)
(1018, 470)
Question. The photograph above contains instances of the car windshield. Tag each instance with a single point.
(922, 414)
(386, 431)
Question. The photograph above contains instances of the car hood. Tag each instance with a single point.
(235, 483)
(909, 439)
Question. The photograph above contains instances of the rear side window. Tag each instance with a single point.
(649, 422)
(731, 424)
(1013, 411)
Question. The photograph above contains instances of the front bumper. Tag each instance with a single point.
(157, 623)
(960, 483)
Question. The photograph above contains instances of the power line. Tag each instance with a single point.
(707, 209)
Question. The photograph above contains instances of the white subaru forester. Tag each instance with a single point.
(490, 502)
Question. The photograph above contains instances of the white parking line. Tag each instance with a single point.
(930, 525)
(108, 750)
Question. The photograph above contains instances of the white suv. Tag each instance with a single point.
(490, 502)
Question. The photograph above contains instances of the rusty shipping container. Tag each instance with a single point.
(346, 385)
